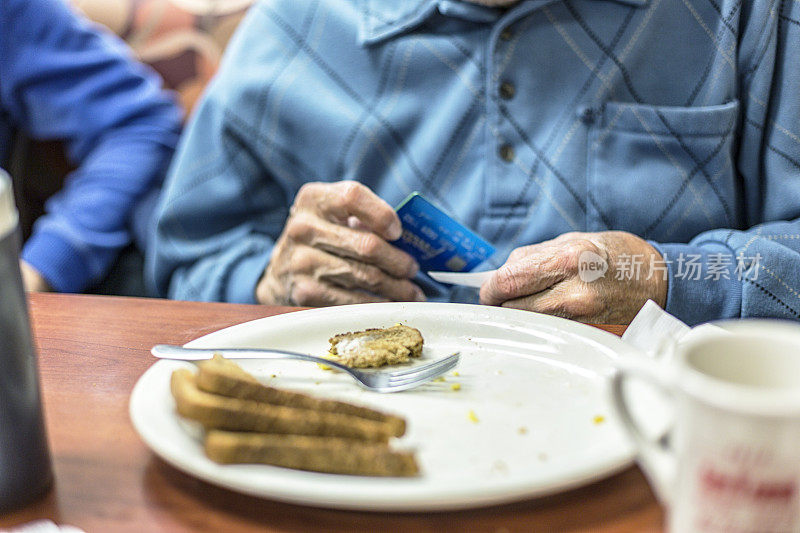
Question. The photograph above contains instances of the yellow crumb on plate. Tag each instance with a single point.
(330, 356)
(439, 380)
(472, 416)
(599, 419)
(456, 386)
(522, 430)
(456, 374)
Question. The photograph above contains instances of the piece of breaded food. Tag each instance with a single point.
(222, 376)
(319, 454)
(220, 412)
(377, 346)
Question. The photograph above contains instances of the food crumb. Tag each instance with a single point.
(472, 416)
(456, 386)
(599, 419)
(317, 382)
(274, 376)
(456, 374)
(522, 430)
(500, 467)
(324, 366)
(439, 380)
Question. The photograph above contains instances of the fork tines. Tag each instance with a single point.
(421, 368)
(425, 372)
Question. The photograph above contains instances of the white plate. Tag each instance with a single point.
(537, 385)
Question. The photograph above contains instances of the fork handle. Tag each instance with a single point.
(171, 351)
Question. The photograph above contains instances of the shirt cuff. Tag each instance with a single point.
(243, 278)
(58, 262)
(703, 282)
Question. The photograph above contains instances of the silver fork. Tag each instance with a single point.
(372, 380)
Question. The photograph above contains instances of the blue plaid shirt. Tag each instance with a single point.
(676, 120)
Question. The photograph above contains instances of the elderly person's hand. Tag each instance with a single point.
(32, 280)
(334, 250)
(567, 277)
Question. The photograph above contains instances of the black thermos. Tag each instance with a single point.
(25, 470)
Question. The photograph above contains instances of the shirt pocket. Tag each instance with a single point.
(664, 173)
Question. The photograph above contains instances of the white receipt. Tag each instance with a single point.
(467, 279)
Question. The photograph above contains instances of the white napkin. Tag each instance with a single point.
(42, 526)
(655, 332)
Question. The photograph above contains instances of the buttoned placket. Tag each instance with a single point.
(511, 157)
(507, 176)
(502, 90)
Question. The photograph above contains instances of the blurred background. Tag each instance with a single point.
(183, 40)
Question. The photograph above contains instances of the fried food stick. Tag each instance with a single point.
(224, 377)
(320, 454)
(219, 412)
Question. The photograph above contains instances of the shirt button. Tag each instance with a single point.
(506, 152)
(506, 34)
(507, 90)
(587, 115)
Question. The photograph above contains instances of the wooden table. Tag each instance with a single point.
(92, 349)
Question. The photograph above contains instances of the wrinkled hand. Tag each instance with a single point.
(334, 250)
(557, 277)
(32, 281)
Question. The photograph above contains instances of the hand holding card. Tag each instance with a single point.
(437, 241)
(322, 258)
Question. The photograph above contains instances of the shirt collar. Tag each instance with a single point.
(382, 19)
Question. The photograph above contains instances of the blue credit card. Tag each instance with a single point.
(437, 241)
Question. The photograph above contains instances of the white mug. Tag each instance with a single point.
(731, 460)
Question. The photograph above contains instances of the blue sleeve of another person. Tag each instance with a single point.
(63, 79)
